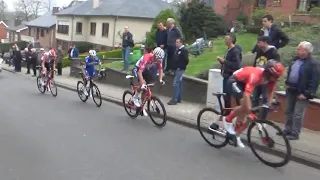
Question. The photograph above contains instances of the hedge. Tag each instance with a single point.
(5, 47)
(107, 54)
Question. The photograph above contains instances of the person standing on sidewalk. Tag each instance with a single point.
(179, 65)
(173, 34)
(34, 61)
(230, 63)
(127, 42)
(27, 55)
(161, 40)
(302, 84)
(60, 55)
(265, 52)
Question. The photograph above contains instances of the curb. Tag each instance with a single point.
(187, 123)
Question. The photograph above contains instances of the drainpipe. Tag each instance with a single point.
(71, 40)
(114, 31)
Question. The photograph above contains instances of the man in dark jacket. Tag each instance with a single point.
(173, 34)
(161, 40)
(27, 55)
(265, 52)
(127, 42)
(181, 60)
(60, 55)
(34, 61)
(230, 63)
(17, 58)
(302, 84)
(277, 37)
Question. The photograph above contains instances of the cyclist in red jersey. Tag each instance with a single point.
(145, 74)
(241, 85)
(47, 61)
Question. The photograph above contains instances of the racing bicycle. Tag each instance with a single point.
(255, 126)
(91, 89)
(47, 79)
(151, 101)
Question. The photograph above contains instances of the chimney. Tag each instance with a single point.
(17, 22)
(55, 10)
(95, 3)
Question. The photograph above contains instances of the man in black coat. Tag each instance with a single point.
(17, 58)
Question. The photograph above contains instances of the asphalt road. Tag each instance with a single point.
(47, 138)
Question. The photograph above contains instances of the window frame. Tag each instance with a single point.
(79, 27)
(93, 31)
(105, 30)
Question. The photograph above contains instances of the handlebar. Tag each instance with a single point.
(273, 106)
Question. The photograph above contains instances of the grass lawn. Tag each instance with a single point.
(207, 59)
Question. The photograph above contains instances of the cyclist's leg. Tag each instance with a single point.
(136, 99)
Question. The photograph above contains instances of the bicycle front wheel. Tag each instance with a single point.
(216, 137)
(96, 95)
(262, 131)
(80, 89)
(53, 88)
(41, 88)
(156, 105)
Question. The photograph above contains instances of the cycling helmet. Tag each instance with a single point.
(92, 53)
(158, 53)
(274, 68)
(52, 52)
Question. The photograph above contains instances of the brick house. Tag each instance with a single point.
(298, 9)
(3, 31)
(17, 33)
(42, 30)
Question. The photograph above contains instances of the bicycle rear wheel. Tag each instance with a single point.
(152, 105)
(269, 142)
(53, 88)
(96, 95)
(129, 106)
(80, 89)
(218, 134)
(41, 88)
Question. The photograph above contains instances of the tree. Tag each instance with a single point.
(197, 18)
(162, 16)
(3, 7)
(30, 8)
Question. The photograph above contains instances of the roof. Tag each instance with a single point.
(125, 8)
(75, 2)
(18, 28)
(1, 22)
(46, 21)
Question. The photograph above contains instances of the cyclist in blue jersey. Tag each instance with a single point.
(89, 69)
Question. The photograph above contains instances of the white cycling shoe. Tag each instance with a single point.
(136, 101)
(230, 129)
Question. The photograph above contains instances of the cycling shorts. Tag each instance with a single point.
(147, 74)
(235, 88)
(90, 73)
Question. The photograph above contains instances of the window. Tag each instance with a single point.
(79, 28)
(277, 2)
(63, 29)
(105, 29)
(42, 32)
(307, 5)
(93, 28)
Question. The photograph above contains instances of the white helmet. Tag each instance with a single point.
(158, 53)
(92, 53)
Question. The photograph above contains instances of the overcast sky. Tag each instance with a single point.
(55, 3)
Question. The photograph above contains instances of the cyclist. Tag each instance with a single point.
(47, 62)
(145, 74)
(135, 70)
(89, 68)
(241, 85)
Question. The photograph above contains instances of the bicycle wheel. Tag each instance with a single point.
(53, 88)
(269, 142)
(129, 106)
(218, 134)
(96, 95)
(80, 88)
(41, 88)
(153, 106)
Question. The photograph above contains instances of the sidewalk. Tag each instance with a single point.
(306, 150)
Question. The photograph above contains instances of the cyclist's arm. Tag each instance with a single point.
(43, 62)
(246, 104)
(99, 62)
(54, 65)
(159, 65)
(142, 66)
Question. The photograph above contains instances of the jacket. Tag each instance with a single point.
(277, 37)
(60, 55)
(161, 37)
(173, 35)
(308, 77)
(232, 62)
(127, 39)
(181, 58)
(262, 57)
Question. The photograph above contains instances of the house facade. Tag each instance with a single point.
(299, 10)
(3, 31)
(102, 22)
(17, 33)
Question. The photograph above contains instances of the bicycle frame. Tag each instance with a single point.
(147, 92)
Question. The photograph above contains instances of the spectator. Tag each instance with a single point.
(60, 55)
(265, 52)
(27, 55)
(173, 34)
(277, 37)
(230, 64)
(74, 53)
(34, 61)
(179, 65)
(302, 84)
(69, 52)
(127, 42)
(161, 40)
(17, 58)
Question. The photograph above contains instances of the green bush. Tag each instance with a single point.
(253, 29)
(162, 16)
(7, 46)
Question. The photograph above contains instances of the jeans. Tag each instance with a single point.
(170, 57)
(259, 90)
(177, 84)
(164, 59)
(295, 112)
(59, 68)
(227, 98)
(126, 57)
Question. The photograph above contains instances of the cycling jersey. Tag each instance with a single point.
(147, 62)
(90, 65)
(252, 77)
